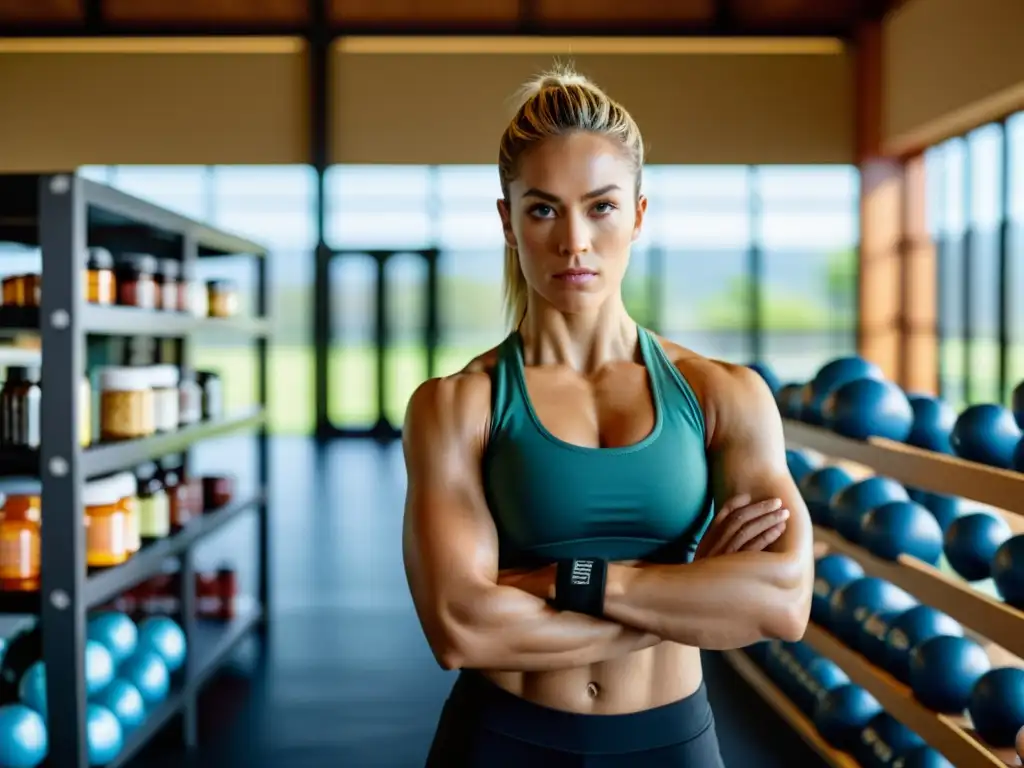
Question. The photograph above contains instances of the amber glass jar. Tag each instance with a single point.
(106, 541)
(179, 492)
(136, 280)
(20, 540)
(20, 416)
(100, 281)
(168, 285)
(222, 298)
(128, 500)
(126, 403)
(22, 290)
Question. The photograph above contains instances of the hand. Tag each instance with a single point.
(742, 526)
(539, 582)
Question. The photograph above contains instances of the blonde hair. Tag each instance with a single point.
(555, 103)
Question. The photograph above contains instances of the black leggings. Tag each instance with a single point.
(484, 726)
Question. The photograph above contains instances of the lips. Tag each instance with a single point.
(570, 274)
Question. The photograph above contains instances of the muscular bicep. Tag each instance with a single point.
(450, 545)
(748, 456)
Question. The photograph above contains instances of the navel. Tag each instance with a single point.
(593, 690)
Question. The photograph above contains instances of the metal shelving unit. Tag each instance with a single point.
(61, 214)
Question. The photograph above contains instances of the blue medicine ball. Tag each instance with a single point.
(868, 408)
(842, 713)
(944, 670)
(987, 434)
(789, 398)
(854, 602)
(830, 377)
(853, 502)
(1017, 404)
(1018, 457)
(997, 705)
(819, 487)
(909, 630)
(801, 463)
(944, 508)
(971, 542)
(933, 423)
(831, 572)
(902, 528)
(1008, 571)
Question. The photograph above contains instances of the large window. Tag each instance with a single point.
(976, 206)
(274, 205)
(734, 261)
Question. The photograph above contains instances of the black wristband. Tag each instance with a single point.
(579, 585)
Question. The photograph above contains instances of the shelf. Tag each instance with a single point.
(214, 641)
(928, 470)
(210, 647)
(986, 616)
(948, 734)
(147, 562)
(114, 457)
(130, 321)
(151, 726)
(103, 584)
(787, 710)
(10, 355)
(114, 217)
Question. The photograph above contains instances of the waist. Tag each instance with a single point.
(500, 711)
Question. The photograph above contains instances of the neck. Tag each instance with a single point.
(582, 341)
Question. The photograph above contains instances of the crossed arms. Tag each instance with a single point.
(477, 617)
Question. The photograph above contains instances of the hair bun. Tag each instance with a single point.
(561, 76)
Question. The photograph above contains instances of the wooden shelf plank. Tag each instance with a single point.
(787, 710)
(992, 619)
(944, 733)
(936, 472)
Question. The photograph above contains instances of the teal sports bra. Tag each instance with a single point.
(551, 499)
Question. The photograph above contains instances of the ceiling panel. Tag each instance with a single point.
(761, 13)
(40, 11)
(423, 13)
(206, 12)
(597, 13)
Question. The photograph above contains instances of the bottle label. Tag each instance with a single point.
(19, 555)
(154, 517)
(105, 539)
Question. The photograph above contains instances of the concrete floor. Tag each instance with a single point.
(345, 679)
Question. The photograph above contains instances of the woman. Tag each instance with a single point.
(560, 541)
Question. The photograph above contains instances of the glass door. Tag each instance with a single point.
(383, 337)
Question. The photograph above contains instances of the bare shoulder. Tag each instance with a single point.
(727, 392)
(451, 411)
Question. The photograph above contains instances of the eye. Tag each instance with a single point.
(542, 211)
(603, 208)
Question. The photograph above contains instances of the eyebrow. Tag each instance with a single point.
(532, 192)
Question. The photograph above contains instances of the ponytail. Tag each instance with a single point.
(515, 289)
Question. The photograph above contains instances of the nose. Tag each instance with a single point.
(573, 235)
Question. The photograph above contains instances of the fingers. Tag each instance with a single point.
(763, 541)
(756, 528)
(745, 524)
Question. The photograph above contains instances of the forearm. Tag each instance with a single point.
(716, 604)
(508, 629)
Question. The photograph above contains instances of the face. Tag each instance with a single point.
(572, 214)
